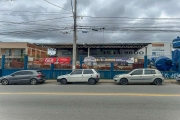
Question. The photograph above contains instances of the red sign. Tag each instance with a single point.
(62, 60)
(65, 60)
(49, 60)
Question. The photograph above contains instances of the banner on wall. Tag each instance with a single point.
(60, 60)
(49, 60)
(116, 59)
(158, 49)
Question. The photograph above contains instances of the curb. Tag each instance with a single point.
(111, 81)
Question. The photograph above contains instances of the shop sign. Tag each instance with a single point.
(49, 60)
(157, 45)
(116, 59)
(158, 49)
(57, 60)
(63, 60)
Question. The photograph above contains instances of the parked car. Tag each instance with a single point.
(24, 76)
(80, 75)
(140, 76)
(178, 78)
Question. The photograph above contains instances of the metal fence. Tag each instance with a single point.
(106, 69)
(14, 62)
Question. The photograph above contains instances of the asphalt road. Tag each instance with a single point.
(104, 101)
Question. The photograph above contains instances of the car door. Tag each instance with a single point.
(86, 75)
(136, 76)
(75, 76)
(149, 75)
(16, 77)
(26, 76)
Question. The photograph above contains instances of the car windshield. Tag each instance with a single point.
(40, 72)
(96, 70)
(130, 71)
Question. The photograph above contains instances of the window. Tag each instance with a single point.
(88, 72)
(96, 71)
(137, 72)
(158, 72)
(8, 52)
(19, 52)
(18, 73)
(150, 72)
(27, 73)
(40, 72)
(77, 72)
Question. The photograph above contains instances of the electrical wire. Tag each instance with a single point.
(30, 15)
(72, 7)
(32, 31)
(57, 6)
(30, 11)
(32, 21)
(6, 0)
(129, 18)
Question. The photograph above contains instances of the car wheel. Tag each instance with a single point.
(92, 81)
(123, 81)
(33, 81)
(4, 82)
(157, 82)
(63, 81)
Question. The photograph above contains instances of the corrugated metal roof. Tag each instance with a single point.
(95, 45)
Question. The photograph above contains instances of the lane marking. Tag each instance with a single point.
(90, 94)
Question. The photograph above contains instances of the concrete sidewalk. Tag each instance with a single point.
(111, 81)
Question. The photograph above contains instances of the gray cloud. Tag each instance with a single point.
(116, 29)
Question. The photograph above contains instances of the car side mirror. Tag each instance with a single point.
(131, 74)
(12, 75)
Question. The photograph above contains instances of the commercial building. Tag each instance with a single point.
(123, 55)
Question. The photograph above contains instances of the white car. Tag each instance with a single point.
(178, 78)
(80, 75)
(140, 76)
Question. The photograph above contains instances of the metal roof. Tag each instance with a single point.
(95, 45)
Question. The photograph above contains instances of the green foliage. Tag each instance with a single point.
(37, 56)
(22, 58)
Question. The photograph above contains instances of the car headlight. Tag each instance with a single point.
(116, 76)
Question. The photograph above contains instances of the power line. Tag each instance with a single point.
(127, 18)
(29, 33)
(35, 30)
(57, 6)
(30, 15)
(72, 6)
(6, 0)
(33, 21)
(30, 11)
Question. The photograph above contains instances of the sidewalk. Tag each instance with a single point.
(111, 81)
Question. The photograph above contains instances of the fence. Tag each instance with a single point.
(52, 71)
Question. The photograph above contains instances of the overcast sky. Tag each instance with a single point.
(38, 21)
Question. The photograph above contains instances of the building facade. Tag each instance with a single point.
(18, 49)
(14, 53)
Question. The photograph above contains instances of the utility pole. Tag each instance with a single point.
(75, 36)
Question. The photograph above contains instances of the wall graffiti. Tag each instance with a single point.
(170, 75)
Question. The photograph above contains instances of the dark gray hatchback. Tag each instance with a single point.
(32, 77)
